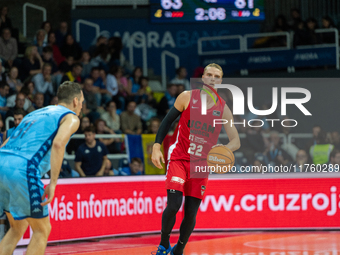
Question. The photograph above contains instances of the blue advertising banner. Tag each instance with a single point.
(179, 39)
(306, 57)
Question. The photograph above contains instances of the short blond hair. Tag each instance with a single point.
(213, 65)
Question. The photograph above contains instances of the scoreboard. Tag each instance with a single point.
(206, 11)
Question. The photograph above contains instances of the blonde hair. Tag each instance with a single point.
(28, 51)
(213, 65)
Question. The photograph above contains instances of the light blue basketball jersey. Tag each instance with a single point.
(9, 132)
(33, 138)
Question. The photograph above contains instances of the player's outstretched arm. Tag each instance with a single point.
(234, 139)
(180, 105)
(68, 126)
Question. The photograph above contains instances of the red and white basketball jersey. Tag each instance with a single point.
(195, 133)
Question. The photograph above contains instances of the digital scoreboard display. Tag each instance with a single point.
(206, 10)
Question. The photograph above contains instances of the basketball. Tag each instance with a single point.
(220, 159)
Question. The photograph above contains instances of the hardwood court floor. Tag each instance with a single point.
(222, 243)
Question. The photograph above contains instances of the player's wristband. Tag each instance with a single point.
(166, 124)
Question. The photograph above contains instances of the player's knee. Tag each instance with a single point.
(174, 206)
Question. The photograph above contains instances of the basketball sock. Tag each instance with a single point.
(175, 198)
(190, 211)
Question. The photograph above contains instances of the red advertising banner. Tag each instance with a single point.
(97, 207)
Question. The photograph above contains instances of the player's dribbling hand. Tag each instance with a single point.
(49, 192)
(156, 156)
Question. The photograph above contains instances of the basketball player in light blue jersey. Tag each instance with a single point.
(36, 146)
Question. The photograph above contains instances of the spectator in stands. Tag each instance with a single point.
(85, 61)
(56, 51)
(144, 92)
(61, 33)
(18, 115)
(111, 117)
(295, 20)
(300, 36)
(101, 57)
(112, 144)
(136, 74)
(4, 91)
(329, 37)
(335, 160)
(12, 100)
(74, 144)
(102, 94)
(115, 49)
(2, 72)
(90, 99)
(273, 151)
(299, 164)
(167, 101)
(111, 82)
(47, 27)
(315, 131)
(74, 74)
(71, 48)
(66, 65)
(124, 86)
(320, 152)
(336, 139)
(131, 122)
(12, 80)
(47, 57)
(280, 26)
(54, 100)
(154, 126)
(180, 89)
(101, 40)
(38, 101)
(91, 157)
(312, 37)
(32, 63)
(8, 47)
(5, 21)
(253, 143)
(40, 40)
(43, 83)
(198, 72)
(30, 88)
(135, 167)
(19, 104)
(181, 78)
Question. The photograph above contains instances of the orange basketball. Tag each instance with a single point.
(220, 159)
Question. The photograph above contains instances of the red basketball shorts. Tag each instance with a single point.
(179, 177)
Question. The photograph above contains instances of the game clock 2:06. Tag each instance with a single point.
(210, 14)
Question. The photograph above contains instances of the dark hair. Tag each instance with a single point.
(68, 91)
(329, 19)
(47, 49)
(76, 64)
(100, 37)
(25, 91)
(170, 85)
(108, 104)
(44, 23)
(334, 152)
(178, 70)
(138, 160)
(90, 129)
(6, 28)
(321, 137)
(95, 69)
(19, 112)
(143, 78)
(3, 85)
(114, 69)
(97, 121)
(46, 65)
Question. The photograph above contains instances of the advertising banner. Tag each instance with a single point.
(111, 206)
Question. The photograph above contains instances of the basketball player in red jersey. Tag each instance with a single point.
(194, 136)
